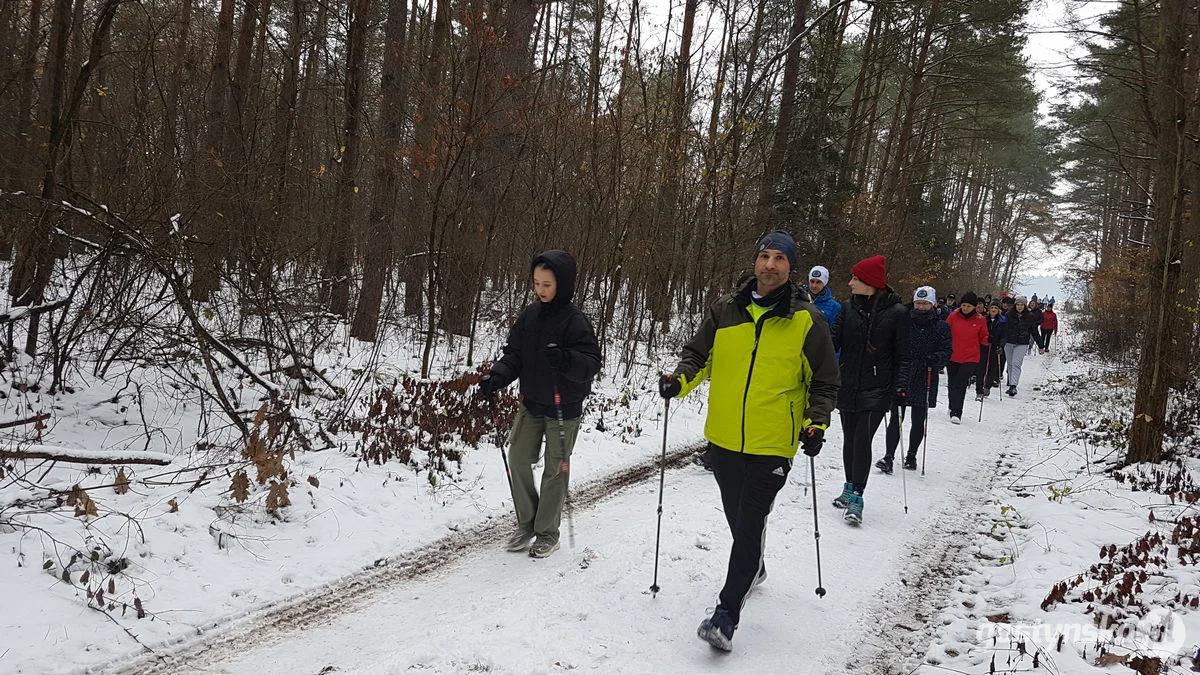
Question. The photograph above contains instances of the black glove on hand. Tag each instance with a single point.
(901, 399)
(669, 386)
(811, 440)
(487, 387)
(557, 356)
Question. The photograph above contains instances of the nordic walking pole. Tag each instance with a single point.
(928, 385)
(806, 480)
(812, 464)
(501, 442)
(987, 370)
(903, 471)
(562, 444)
(662, 475)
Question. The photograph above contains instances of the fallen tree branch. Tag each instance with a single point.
(17, 313)
(29, 420)
(81, 456)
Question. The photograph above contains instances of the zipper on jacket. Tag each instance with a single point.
(750, 373)
(792, 414)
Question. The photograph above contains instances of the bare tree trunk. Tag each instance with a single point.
(380, 237)
(10, 163)
(237, 141)
(35, 255)
(35, 250)
(894, 192)
(212, 228)
(24, 157)
(787, 116)
(285, 122)
(341, 245)
(416, 271)
(669, 211)
(181, 74)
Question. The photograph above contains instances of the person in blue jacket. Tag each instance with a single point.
(929, 347)
(818, 286)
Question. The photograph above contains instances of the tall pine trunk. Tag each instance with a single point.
(1162, 346)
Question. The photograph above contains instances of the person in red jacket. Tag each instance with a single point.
(968, 332)
(1049, 326)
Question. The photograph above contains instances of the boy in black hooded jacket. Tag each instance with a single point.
(552, 349)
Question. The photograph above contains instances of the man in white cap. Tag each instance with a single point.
(818, 286)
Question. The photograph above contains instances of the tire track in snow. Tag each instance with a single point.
(905, 624)
(282, 619)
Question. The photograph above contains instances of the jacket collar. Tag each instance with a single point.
(784, 308)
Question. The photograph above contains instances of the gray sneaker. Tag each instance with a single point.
(543, 548)
(519, 541)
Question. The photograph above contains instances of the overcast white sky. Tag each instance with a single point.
(1050, 50)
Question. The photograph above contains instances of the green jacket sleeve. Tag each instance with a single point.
(825, 373)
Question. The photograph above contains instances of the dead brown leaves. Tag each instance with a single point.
(84, 506)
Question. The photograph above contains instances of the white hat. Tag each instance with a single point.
(819, 272)
(925, 293)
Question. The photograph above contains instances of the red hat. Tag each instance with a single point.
(872, 271)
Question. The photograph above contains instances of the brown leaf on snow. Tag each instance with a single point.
(312, 480)
(277, 497)
(1112, 659)
(174, 506)
(1000, 618)
(1146, 666)
(240, 487)
(122, 482)
(84, 506)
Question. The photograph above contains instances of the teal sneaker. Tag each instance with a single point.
(844, 499)
(854, 510)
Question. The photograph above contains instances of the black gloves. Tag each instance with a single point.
(557, 356)
(669, 386)
(811, 440)
(487, 387)
(901, 399)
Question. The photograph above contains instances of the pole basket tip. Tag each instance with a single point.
(820, 592)
(654, 589)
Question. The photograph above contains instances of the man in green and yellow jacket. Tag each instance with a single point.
(774, 380)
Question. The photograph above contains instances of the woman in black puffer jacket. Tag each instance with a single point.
(871, 333)
(1022, 324)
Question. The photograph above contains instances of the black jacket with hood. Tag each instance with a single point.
(871, 334)
(556, 322)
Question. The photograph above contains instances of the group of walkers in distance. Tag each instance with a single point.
(779, 358)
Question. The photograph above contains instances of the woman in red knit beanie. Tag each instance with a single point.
(871, 332)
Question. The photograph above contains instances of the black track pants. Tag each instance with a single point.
(916, 417)
(748, 486)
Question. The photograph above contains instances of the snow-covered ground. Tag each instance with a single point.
(1005, 510)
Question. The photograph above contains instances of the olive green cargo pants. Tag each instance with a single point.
(539, 512)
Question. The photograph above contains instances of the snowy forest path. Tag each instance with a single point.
(280, 621)
(468, 606)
